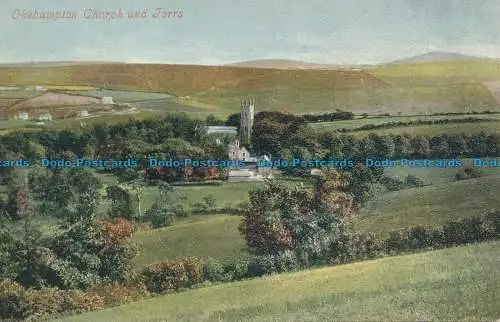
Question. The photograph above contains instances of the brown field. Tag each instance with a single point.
(49, 100)
(185, 79)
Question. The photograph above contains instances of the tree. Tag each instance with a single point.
(212, 120)
(305, 220)
(234, 120)
(116, 251)
(359, 182)
(123, 204)
(402, 146)
(420, 146)
(163, 212)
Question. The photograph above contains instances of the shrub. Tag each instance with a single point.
(194, 270)
(214, 271)
(413, 181)
(261, 265)
(115, 294)
(13, 301)
(77, 301)
(286, 262)
(160, 215)
(392, 184)
(463, 231)
(468, 173)
(493, 220)
(397, 243)
(418, 238)
(173, 275)
(44, 302)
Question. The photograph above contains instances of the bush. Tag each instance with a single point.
(18, 303)
(44, 302)
(419, 238)
(160, 215)
(468, 173)
(392, 184)
(77, 301)
(397, 243)
(194, 270)
(114, 294)
(13, 301)
(270, 264)
(493, 221)
(413, 181)
(214, 271)
(173, 275)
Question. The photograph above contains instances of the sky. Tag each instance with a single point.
(217, 32)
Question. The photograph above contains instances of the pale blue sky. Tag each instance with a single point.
(224, 31)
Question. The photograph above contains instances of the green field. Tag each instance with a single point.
(123, 96)
(214, 236)
(453, 284)
(437, 175)
(7, 126)
(359, 122)
(435, 129)
(430, 205)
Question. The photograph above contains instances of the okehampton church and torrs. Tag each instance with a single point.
(237, 149)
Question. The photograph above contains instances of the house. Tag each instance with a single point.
(45, 117)
(222, 129)
(107, 100)
(23, 116)
(83, 113)
(237, 152)
(40, 88)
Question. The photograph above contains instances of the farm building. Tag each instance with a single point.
(23, 116)
(222, 129)
(107, 100)
(45, 117)
(83, 113)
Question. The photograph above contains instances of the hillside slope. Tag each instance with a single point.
(178, 79)
(453, 284)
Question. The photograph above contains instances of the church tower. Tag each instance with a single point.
(247, 111)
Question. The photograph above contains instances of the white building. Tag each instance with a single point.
(40, 88)
(222, 129)
(23, 116)
(108, 100)
(83, 113)
(45, 117)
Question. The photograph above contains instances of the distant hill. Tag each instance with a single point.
(437, 56)
(284, 64)
(186, 79)
(52, 63)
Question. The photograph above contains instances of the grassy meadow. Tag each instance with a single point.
(215, 236)
(452, 284)
(430, 205)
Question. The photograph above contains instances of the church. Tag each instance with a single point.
(238, 151)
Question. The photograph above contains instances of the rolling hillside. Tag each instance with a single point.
(283, 64)
(452, 284)
(397, 89)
